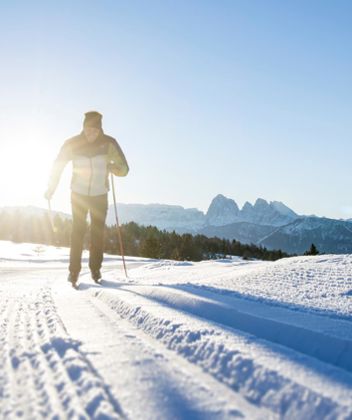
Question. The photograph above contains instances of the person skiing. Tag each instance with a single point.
(94, 155)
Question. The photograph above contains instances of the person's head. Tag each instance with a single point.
(92, 125)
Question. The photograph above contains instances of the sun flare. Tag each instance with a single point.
(25, 161)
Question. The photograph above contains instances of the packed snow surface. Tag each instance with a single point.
(175, 340)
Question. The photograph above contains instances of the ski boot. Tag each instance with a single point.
(96, 276)
(73, 279)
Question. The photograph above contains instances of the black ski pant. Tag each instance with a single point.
(97, 207)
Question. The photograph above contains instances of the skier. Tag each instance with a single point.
(94, 155)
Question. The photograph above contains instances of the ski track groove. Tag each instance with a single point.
(223, 361)
(230, 314)
(43, 370)
(161, 352)
(6, 367)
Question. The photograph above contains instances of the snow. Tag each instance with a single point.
(283, 209)
(177, 340)
(222, 211)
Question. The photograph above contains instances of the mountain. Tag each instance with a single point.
(328, 235)
(245, 232)
(222, 211)
(31, 211)
(270, 224)
(163, 216)
(264, 213)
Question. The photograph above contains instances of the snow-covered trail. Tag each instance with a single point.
(66, 353)
(171, 342)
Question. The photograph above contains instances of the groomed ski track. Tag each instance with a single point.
(161, 351)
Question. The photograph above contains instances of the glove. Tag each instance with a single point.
(48, 194)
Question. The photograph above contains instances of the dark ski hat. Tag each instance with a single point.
(92, 119)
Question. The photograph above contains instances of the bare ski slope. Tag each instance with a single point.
(209, 340)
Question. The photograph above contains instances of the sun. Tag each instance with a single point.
(25, 163)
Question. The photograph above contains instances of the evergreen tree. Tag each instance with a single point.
(312, 250)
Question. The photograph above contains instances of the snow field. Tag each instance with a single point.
(267, 375)
(151, 382)
(321, 284)
(177, 340)
(43, 369)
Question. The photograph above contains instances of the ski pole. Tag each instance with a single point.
(118, 226)
(50, 213)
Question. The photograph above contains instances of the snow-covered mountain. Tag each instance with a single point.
(328, 235)
(28, 211)
(245, 232)
(163, 216)
(274, 213)
(222, 211)
(270, 224)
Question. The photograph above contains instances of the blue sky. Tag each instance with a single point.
(245, 98)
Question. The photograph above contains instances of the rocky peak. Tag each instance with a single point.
(222, 211)
(263, 213)
(283, 209)
(247, 206)
(261, 204)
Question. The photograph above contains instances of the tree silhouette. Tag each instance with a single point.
(313, 250)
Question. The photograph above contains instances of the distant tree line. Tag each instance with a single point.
(141, 241)
(153, 243)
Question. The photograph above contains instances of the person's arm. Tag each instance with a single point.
(116, 159)
(64, 156)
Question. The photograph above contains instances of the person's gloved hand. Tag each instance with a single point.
(48, 194)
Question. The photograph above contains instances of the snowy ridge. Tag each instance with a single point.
(229, 358)
(328, 235)
(332, 338)
(222, 211)
(163, 216)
